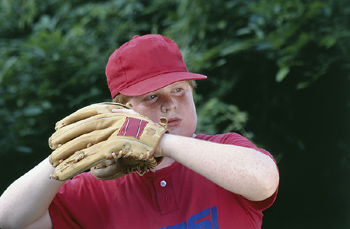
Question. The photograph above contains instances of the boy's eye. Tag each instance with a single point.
(178, 89)
(152, 96)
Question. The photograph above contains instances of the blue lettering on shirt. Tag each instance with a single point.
(196, 221)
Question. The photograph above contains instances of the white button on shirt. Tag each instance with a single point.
(163, 183)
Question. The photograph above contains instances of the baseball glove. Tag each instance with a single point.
(110, 144)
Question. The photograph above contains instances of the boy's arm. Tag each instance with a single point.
(241, 170)
(26, 201)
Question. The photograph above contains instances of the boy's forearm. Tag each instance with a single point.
(27, 199)
(241, 170)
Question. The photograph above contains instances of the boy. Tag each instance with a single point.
(203, 181)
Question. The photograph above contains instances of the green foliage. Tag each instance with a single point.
(216, 117)
(53, 53)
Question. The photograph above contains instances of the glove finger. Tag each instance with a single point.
(128, 155)
(114, 169)
(83, 160)
(81, 142)
(88, 111)
(85, 126)
(79, 162)
(109, 169)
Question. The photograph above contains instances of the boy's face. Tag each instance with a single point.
(175, 102)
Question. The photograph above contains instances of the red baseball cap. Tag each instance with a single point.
(145, 64)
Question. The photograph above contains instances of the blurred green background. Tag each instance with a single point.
(278, 73)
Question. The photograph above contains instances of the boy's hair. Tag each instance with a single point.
(120, 98)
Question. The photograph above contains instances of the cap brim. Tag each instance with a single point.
(159, 81)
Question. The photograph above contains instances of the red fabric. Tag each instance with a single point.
(173, 197)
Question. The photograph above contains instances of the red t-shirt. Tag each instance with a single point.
(173, 197)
